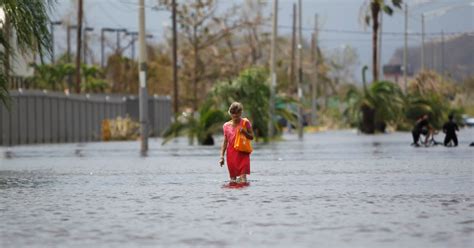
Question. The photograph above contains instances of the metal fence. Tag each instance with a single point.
(53, 117)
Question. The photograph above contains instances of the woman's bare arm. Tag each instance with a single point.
(248, 133)
(223, 148)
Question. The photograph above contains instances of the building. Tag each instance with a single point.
(20, 60)
(394, 73)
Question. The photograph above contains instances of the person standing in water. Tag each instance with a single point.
(422, 126)
(238, 162)
(450, 129)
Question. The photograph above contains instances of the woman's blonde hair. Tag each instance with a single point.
(235, 107)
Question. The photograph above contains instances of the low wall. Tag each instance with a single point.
(53, 117)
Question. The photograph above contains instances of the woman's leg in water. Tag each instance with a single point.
(243, 178)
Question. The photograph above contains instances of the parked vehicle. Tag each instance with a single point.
(468, 120)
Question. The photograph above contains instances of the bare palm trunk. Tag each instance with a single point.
(175, 62)
(368, 113)
(195, 44)
(195, 79)
(79, 45)
(368, 120)
(375, 9)
(293, 52)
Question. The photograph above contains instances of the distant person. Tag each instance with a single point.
(422, 126)
(238, 162)
(450, 129)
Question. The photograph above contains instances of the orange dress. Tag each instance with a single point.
(238, 162)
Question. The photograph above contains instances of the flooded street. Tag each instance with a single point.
(333, 189)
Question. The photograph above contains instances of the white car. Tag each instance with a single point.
(468, 121)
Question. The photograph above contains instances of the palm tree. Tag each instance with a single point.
(29, 20)
(252, 90)
(93, 79)
(371, 12)
(430, 93)
(208, 122)
(435, 106)
(249, 88)
(372, 109)
(51, 76)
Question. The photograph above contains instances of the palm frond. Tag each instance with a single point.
(4, 96)
(29, 20)
(178, 129)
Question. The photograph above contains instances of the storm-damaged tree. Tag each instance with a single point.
(200, 28)
(371, 11)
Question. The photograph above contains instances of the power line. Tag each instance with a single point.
(109, 16)
(369, 33)
(325, 30)
(119, 6)
(417, 19)
(136, 4)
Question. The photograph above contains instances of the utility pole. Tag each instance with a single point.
(300, 71)
(316, 72)
(422, 42)
(143, 97)
(291, 87)
(293, 51)
(405, 50)
(434, 55)
(68, 56)
(53, 60)
(442, 54)
(118, 42)
(134, 38)
(175, 62)
(87, 29)
(118, 39)
(102, 46)
(271, 130)
(79, 46)
(68, 38)
(379, 59)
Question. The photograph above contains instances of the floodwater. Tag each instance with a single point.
(333, 189)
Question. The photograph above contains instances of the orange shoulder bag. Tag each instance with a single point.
(241, 142)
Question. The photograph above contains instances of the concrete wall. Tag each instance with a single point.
(52, 117)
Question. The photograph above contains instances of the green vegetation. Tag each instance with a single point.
(29, 20)
(54, 77)
(223, 57)
(384, 104)
(251, 89)
(207, 122)
(430, 93)
(375, 108)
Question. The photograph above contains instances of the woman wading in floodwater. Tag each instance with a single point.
(238, 162)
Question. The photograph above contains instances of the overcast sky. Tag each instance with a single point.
(335, 18)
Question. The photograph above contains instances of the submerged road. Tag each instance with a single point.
(333, 189)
